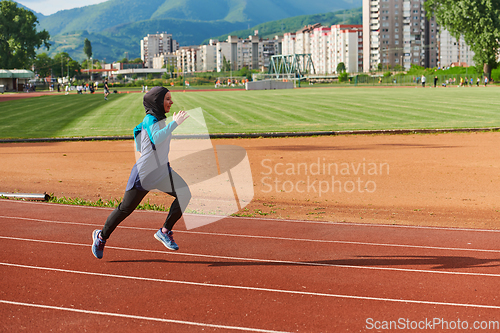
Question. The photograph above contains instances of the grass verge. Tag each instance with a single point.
(297, 110)
(113, 203)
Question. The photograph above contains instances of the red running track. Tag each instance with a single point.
(241, 274)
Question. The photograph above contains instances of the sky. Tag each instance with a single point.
(47, 7)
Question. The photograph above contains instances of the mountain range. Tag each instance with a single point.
(117, 26)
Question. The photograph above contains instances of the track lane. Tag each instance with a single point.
(342, 269)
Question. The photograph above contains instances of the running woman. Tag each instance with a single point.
(151, 171)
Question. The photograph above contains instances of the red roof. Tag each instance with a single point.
(99, 70)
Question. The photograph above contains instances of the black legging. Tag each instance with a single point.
(134, 196)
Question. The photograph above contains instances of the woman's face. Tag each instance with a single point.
(167, 102)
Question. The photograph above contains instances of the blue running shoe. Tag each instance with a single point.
(98, 244)
(167, 240)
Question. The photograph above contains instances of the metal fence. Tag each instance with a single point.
(399, 80)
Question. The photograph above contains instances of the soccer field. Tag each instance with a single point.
(298, 110)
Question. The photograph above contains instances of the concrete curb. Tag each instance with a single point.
(265, 135)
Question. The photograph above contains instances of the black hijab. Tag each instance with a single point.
(153, 102)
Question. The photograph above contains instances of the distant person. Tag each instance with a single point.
(106, 89)
(435, 81)
(151, 171)
(423, 81)
(477, 81)
(485, 81)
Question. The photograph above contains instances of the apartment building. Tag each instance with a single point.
(299, 42)
(328, 46)
(397, 32)
(207, 55)
(154, 44)
(164, 60)
(454, 52)
(252, 52)
(346, 46)
(319, 48)
(188, 58)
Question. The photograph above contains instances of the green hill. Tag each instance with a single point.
(117, 26)
(292, 24)
(114, 42)
(95, 18)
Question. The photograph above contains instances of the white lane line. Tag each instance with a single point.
(427, 247)
(278, 262)
(121, 315)
(283, 291)
(374, 225)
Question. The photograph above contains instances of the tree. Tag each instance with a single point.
(478, 21)
(19, 38)
(87, 48)
(226, 65)
(43, 65)
(344, 77)
(63, 65)
(341, 67)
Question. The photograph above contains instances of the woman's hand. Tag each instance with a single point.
(180, 117)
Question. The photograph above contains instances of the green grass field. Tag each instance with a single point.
(298, 110)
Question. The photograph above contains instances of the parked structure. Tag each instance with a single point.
(15, 79)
